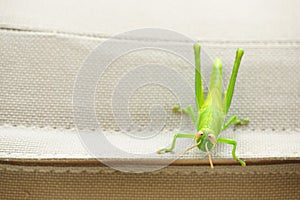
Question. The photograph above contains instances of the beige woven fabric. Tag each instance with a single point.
(180, 182)
(214, 19)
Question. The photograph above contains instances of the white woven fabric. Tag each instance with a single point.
(36, 143)
(38, 71)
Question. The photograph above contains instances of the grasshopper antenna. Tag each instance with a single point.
(188, 149)
(209, 157)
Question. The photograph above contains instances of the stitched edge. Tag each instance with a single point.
(14, 28)
(170, 170)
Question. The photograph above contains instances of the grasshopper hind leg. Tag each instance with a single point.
(230, 87)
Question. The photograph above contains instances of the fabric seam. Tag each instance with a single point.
(105, 170)
(106, 36)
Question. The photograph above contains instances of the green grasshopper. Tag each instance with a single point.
(212, 110)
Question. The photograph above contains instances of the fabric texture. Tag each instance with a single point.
(174, 182)
(214, 20)
(38, 72)
(44, 45)
(39, 140)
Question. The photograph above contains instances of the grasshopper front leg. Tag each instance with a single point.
(177, 135)
(232, 142)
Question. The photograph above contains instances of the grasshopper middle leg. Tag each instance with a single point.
(189, 110)
(233, 119)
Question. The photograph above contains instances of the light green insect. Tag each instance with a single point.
(212, 110)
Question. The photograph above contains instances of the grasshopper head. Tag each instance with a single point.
(207, 140)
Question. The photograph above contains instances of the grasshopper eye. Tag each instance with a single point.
(199, 135)
(212, 138)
